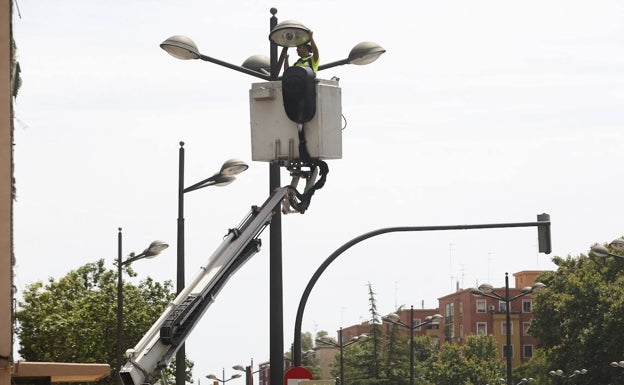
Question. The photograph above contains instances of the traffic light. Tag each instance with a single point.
(299, 94)
(543, 234)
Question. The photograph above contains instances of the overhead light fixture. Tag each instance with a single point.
(290, 33)
(233, 167)
(181, 47)
(260, 63)
(365, 53)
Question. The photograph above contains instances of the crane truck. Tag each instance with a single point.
(147, 360)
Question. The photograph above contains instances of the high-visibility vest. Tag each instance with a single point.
(307, 62)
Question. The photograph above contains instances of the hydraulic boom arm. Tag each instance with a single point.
(160, 344)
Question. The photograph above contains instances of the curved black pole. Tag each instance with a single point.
(358, 239)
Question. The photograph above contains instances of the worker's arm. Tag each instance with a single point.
(315, 51)
(284, 57)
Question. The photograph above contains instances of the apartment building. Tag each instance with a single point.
(465, 314)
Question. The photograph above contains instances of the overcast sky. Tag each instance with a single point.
(479, 112)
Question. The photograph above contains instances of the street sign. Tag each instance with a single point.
(296, 374)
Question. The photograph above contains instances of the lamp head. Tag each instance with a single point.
(260, 63)
(290, 33)
(617, 244)
(365, 53)
(393, 317)
(181, 47)
(599, 251)
(233, 167)
(155, 248)
(537, 286)
(486, 288)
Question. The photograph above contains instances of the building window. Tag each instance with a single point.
(481, 303)
(416, 321)
(527, 351)
(449, 333)
(504, 328)
(502, 306)
(507, 348)
(482, 328)
(461, 308)
(525, 328)
(461, 331)
(527, 305)
(449, 312)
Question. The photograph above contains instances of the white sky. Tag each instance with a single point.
(479, 112)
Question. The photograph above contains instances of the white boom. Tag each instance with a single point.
(159, 345)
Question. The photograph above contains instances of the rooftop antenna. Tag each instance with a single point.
(396, 290)
(451, 263)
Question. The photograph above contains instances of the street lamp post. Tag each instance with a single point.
(182, 47)
(223, 380)
(224, 177)
(394, 318)
(341, 345)
(153, 250)
(487, 290)
(249, 372)
(567, 377)
(544, 244)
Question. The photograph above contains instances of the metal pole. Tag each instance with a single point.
(276, 305)
(119, 308)
(411, 325)
(180, 373)
(342, 381)
(319, 271)
(508, 330)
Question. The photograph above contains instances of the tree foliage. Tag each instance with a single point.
(475, 362)
(74, 319)
(579, 318)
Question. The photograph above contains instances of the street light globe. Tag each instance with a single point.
(155, 248)
(599, 251)
(362, 337)
(393, 317)
(290, 33)
(260, 63)
(617, 244)
(365, 52)
(486, 288)
(233, 167)
(180, 47)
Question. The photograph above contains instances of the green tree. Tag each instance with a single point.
(473, 363)
(308, 359)
(579, 318)
(74, 319)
